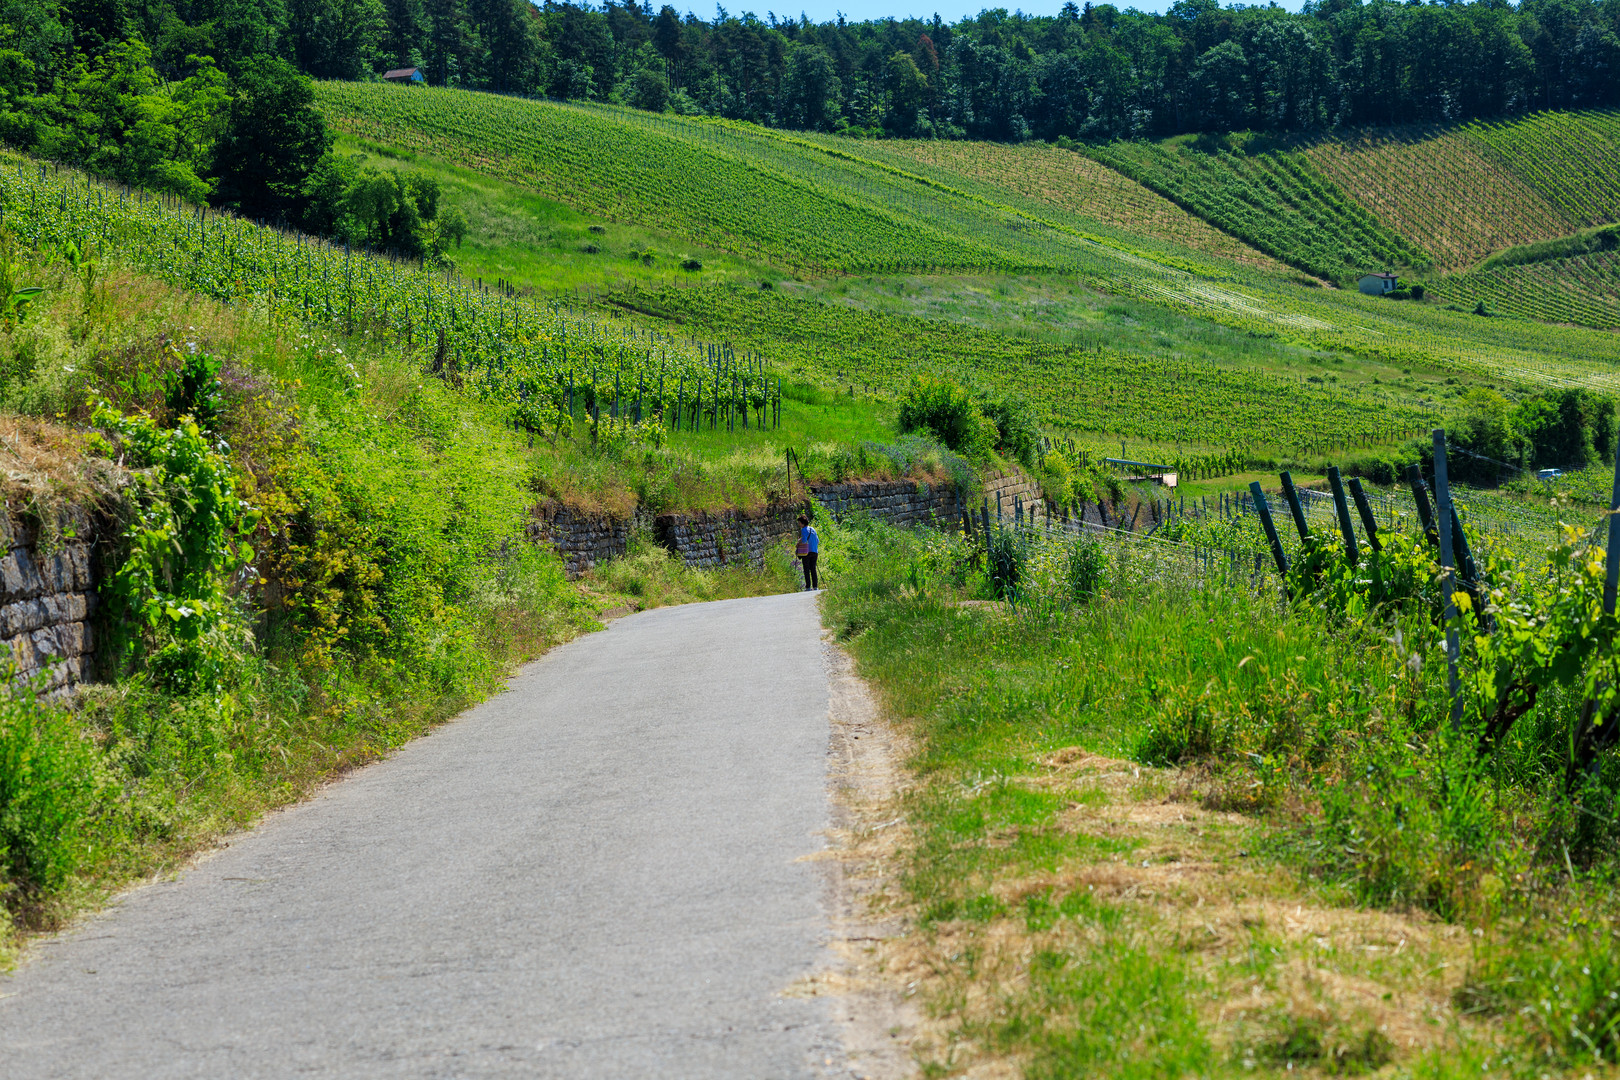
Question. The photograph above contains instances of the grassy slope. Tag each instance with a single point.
(522, 238)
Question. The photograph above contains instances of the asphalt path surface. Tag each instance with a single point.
(599, 873)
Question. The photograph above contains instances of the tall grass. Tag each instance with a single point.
(1328, 735)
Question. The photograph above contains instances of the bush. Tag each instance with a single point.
(1005, 562)
(1018, 434)
(48, 795)
(948, 413)
(1085, 568)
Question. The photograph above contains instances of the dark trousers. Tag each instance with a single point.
(810, 580)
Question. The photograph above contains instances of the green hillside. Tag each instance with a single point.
(1094, 252)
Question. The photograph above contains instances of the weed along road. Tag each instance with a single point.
(598, 873)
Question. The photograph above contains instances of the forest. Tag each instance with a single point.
(1091, 72)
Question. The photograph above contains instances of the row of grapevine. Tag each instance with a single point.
(1275, 201)
(533, 359)
(1584, 291)
(1082, 389)
(1571, 159)
(1064, 180)
(1442, 186)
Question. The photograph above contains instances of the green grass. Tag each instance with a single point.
(522, 238)
(1079, 912)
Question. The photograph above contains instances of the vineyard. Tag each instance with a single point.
(1162, 399)
(1275, 201)
(1079, 185)
(890, 207)
(1442, 186)
(747, 190)
(877, 206)
(1584, 290)
(540, 363)
(1571, 159)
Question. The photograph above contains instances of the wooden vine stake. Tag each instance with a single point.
(1611, 578)
(1420, 496)
(1343, 507)
(1448, 574)
(1292, 496)
(1369, 523)
(1263, 508)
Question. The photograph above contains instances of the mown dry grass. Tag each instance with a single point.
(1282, 971)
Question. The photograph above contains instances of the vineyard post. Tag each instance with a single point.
(1342, 505)
(1448, 574)
(1369, 522)
(1611, 576)
(1294, 506)
(1414, 477)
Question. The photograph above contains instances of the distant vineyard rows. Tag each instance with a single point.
(516, 354)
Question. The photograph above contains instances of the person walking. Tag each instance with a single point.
(809, 548)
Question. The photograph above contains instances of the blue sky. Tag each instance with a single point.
(858, 10)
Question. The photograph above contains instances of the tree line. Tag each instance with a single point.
(181, 94)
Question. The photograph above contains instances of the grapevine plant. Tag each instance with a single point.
(170, 597)
(1530, 630)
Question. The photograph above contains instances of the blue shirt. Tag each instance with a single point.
(807, 535)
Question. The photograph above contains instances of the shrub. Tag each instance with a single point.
(1084, 568)
(1005, 562)
(947, 412)
(1018, 434)
(48, 794)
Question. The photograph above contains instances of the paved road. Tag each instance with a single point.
(591, 875)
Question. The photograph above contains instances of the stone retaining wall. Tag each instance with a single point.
(582, 539)
(46, 601)
(1006, 487)
(896, 502)
(741, 536)
(728, 538)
